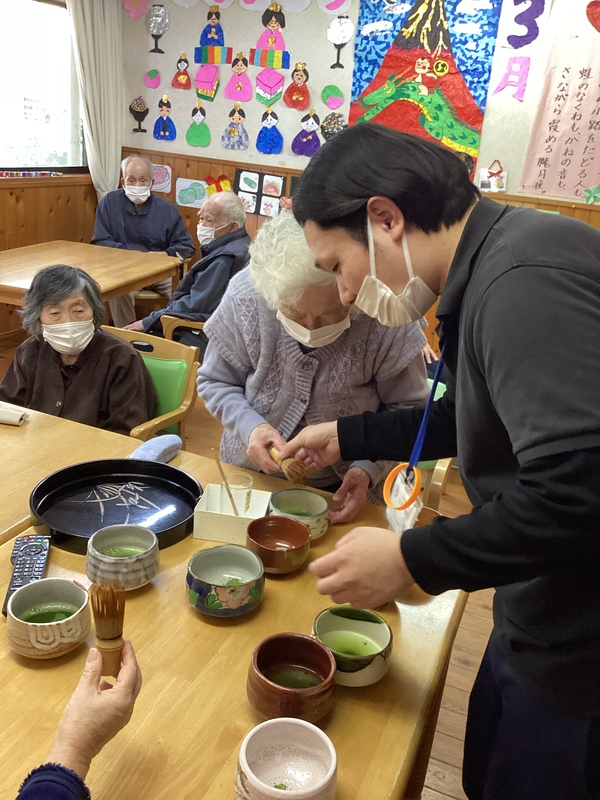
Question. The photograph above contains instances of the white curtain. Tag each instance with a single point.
(97, 45)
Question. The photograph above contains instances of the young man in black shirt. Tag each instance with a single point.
(398, 222)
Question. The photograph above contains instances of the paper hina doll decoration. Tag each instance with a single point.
(235, 136)
(333, 123)
(212, 35)
(164, 127)
(297, 95)
(157, 24)
(339, 33)
(181, 79)
(273, 20)
(239, 87)
(207, 81)
(139, 111)
(269, 139)
(307, 142)
(198, 134)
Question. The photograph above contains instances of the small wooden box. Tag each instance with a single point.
(214, 526)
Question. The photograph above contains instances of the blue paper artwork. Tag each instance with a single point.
(164, 127)
(269, 140)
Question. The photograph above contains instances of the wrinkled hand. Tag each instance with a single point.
(351, 496)
(366, 569)
(261, 438)
(138, 325)
(96, 711)
(429, 354)
(316, 445)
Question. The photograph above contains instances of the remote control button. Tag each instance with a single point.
(31, 550)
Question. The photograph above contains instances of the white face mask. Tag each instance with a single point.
(319, 337)
(378, 300)
(206, 234)
(70, 338)
(137, 194)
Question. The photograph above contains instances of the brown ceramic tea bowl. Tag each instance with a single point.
(281, 543)
(291, 675)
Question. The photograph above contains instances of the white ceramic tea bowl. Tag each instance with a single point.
(125, 553)
(360, 642)
(48, 639)
(304, 505)
(286, 758)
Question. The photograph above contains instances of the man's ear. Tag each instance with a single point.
(384, 212)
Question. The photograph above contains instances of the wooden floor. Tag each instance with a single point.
(203, 433)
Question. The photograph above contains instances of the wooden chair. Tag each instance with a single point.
(170, 323)
(147, 301)
(172, 367)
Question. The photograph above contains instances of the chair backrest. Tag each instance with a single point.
(167, 362)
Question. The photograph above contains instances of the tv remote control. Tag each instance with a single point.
(29, 557)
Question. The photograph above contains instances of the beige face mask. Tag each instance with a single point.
(378, 300)
(319, 337)
(70, 338)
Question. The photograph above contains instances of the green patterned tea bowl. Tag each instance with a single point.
(225, 581)
(360, 641)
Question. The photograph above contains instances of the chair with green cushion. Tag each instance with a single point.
(172, 367)
(435, 473)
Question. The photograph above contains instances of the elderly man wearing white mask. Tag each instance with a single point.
(132, 218)
(284, 353)
(68, 367)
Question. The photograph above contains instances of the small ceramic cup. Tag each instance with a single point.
(48, 618)
(225, 581)
(286, 755)
(291, 675)
(281, 543)
(360, 641)
(126, 553)
(306, 506)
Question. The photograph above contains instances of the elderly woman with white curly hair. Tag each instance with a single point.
(284, 353)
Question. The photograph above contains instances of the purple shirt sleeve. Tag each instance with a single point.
(53, 782)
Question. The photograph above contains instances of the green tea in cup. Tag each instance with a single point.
(48, 612)
(350, 643)
(292, 677)
(122, 552)
(296, 512)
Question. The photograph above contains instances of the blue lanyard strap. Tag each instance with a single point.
(418, 445)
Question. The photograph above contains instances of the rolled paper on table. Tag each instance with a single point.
(12, 415)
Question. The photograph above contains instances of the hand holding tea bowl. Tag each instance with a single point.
(360, 641)
(226, 581)
(291, 675)
(48, 618)
(281, 543)
(286, 754)
(125, 553)
(304, 505)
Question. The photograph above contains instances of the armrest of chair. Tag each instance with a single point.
(170, 323)
(434, 488)
(153, 426)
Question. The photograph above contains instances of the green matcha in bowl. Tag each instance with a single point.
(304, 505)
(360, 642)
(126, 553)
(48, 618)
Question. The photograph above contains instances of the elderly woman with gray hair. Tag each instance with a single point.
(70, 368)
(284, 353)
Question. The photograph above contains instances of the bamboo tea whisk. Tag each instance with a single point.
(294, 470)
(108, 607)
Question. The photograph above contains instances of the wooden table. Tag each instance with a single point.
(40, 446)
(117, 271)
(192, 713)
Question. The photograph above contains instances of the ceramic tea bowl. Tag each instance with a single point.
(48, 618)
(304, 505)
(360, 641)
(126, 553)
(225, 581)
(288, 755)
(281, 543)
(291, 675)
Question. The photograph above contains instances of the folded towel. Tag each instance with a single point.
(162, 448)
(12, 415)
